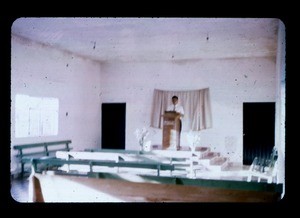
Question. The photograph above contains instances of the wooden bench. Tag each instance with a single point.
(164, 155)
(179, 159)
(111, 187)
(121, 151)
(84, 155)
(54, 162)
(38, 150)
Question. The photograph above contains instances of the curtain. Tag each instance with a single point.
(196, 105)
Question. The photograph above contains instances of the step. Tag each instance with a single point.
(209, 160)
(218, 163)
(199, 151)
(218, 160)
(203, 151)
(205, 158)
(211, 163)
(210, 155)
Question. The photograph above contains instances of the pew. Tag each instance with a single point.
(57, 162)
(85, 155)
(39, 150)
(115, 155)
(111, 187)
(179, 160)
(104, 150)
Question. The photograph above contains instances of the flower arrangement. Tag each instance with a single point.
(141, 135)
(193, 140)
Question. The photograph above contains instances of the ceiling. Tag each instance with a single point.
(153, 39)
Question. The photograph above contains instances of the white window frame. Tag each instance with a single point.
(36, 116)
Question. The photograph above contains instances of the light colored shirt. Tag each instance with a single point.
(177, 107)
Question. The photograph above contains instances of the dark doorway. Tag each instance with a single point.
(258, 130)
(113, 125)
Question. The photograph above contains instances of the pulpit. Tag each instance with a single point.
(171, 130)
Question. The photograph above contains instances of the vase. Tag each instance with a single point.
(141, 148)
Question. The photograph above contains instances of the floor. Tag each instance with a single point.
(19, 189)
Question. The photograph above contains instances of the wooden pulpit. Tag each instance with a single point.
(171, 130)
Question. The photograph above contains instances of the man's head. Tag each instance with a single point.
(174, 99)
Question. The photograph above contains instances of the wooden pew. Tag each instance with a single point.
(56, 162)
(122, 151)
(108, 187)
(38, 150)
(180, 161)
(159, 153)
(114, 155)
(85, 155)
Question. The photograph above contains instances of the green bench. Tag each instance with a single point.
(55, 162)
(178, 161)
(121, 151)
(39, 150)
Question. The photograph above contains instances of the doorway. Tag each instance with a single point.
(258, 130)
(113, 125)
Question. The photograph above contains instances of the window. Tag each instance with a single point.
(36, 116)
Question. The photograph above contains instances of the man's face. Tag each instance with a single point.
(174, 100)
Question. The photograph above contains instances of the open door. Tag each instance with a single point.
(258, 130)
(113, 125)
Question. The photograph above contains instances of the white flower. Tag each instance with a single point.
(193, 139)
(141, 135)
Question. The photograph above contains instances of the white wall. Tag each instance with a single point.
(82, 85)
(40, 71)
(231, 82)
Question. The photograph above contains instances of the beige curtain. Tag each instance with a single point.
(196, 104)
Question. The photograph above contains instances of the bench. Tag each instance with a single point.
(121, 151)
(39, 150)
(54, 162)
(170, 156)
(84, 155)
(179, 159)
(264, 168)
(112, 187)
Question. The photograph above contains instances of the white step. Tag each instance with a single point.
(218, 163)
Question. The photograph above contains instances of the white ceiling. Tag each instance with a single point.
(153, 39)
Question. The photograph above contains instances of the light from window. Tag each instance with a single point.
(36, 116)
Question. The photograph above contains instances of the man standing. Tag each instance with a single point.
(178, 109)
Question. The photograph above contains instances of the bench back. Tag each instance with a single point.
(265, 165)
(92, 163)
(41, 149)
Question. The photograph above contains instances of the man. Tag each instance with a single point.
(175, 106)
(179, 109)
